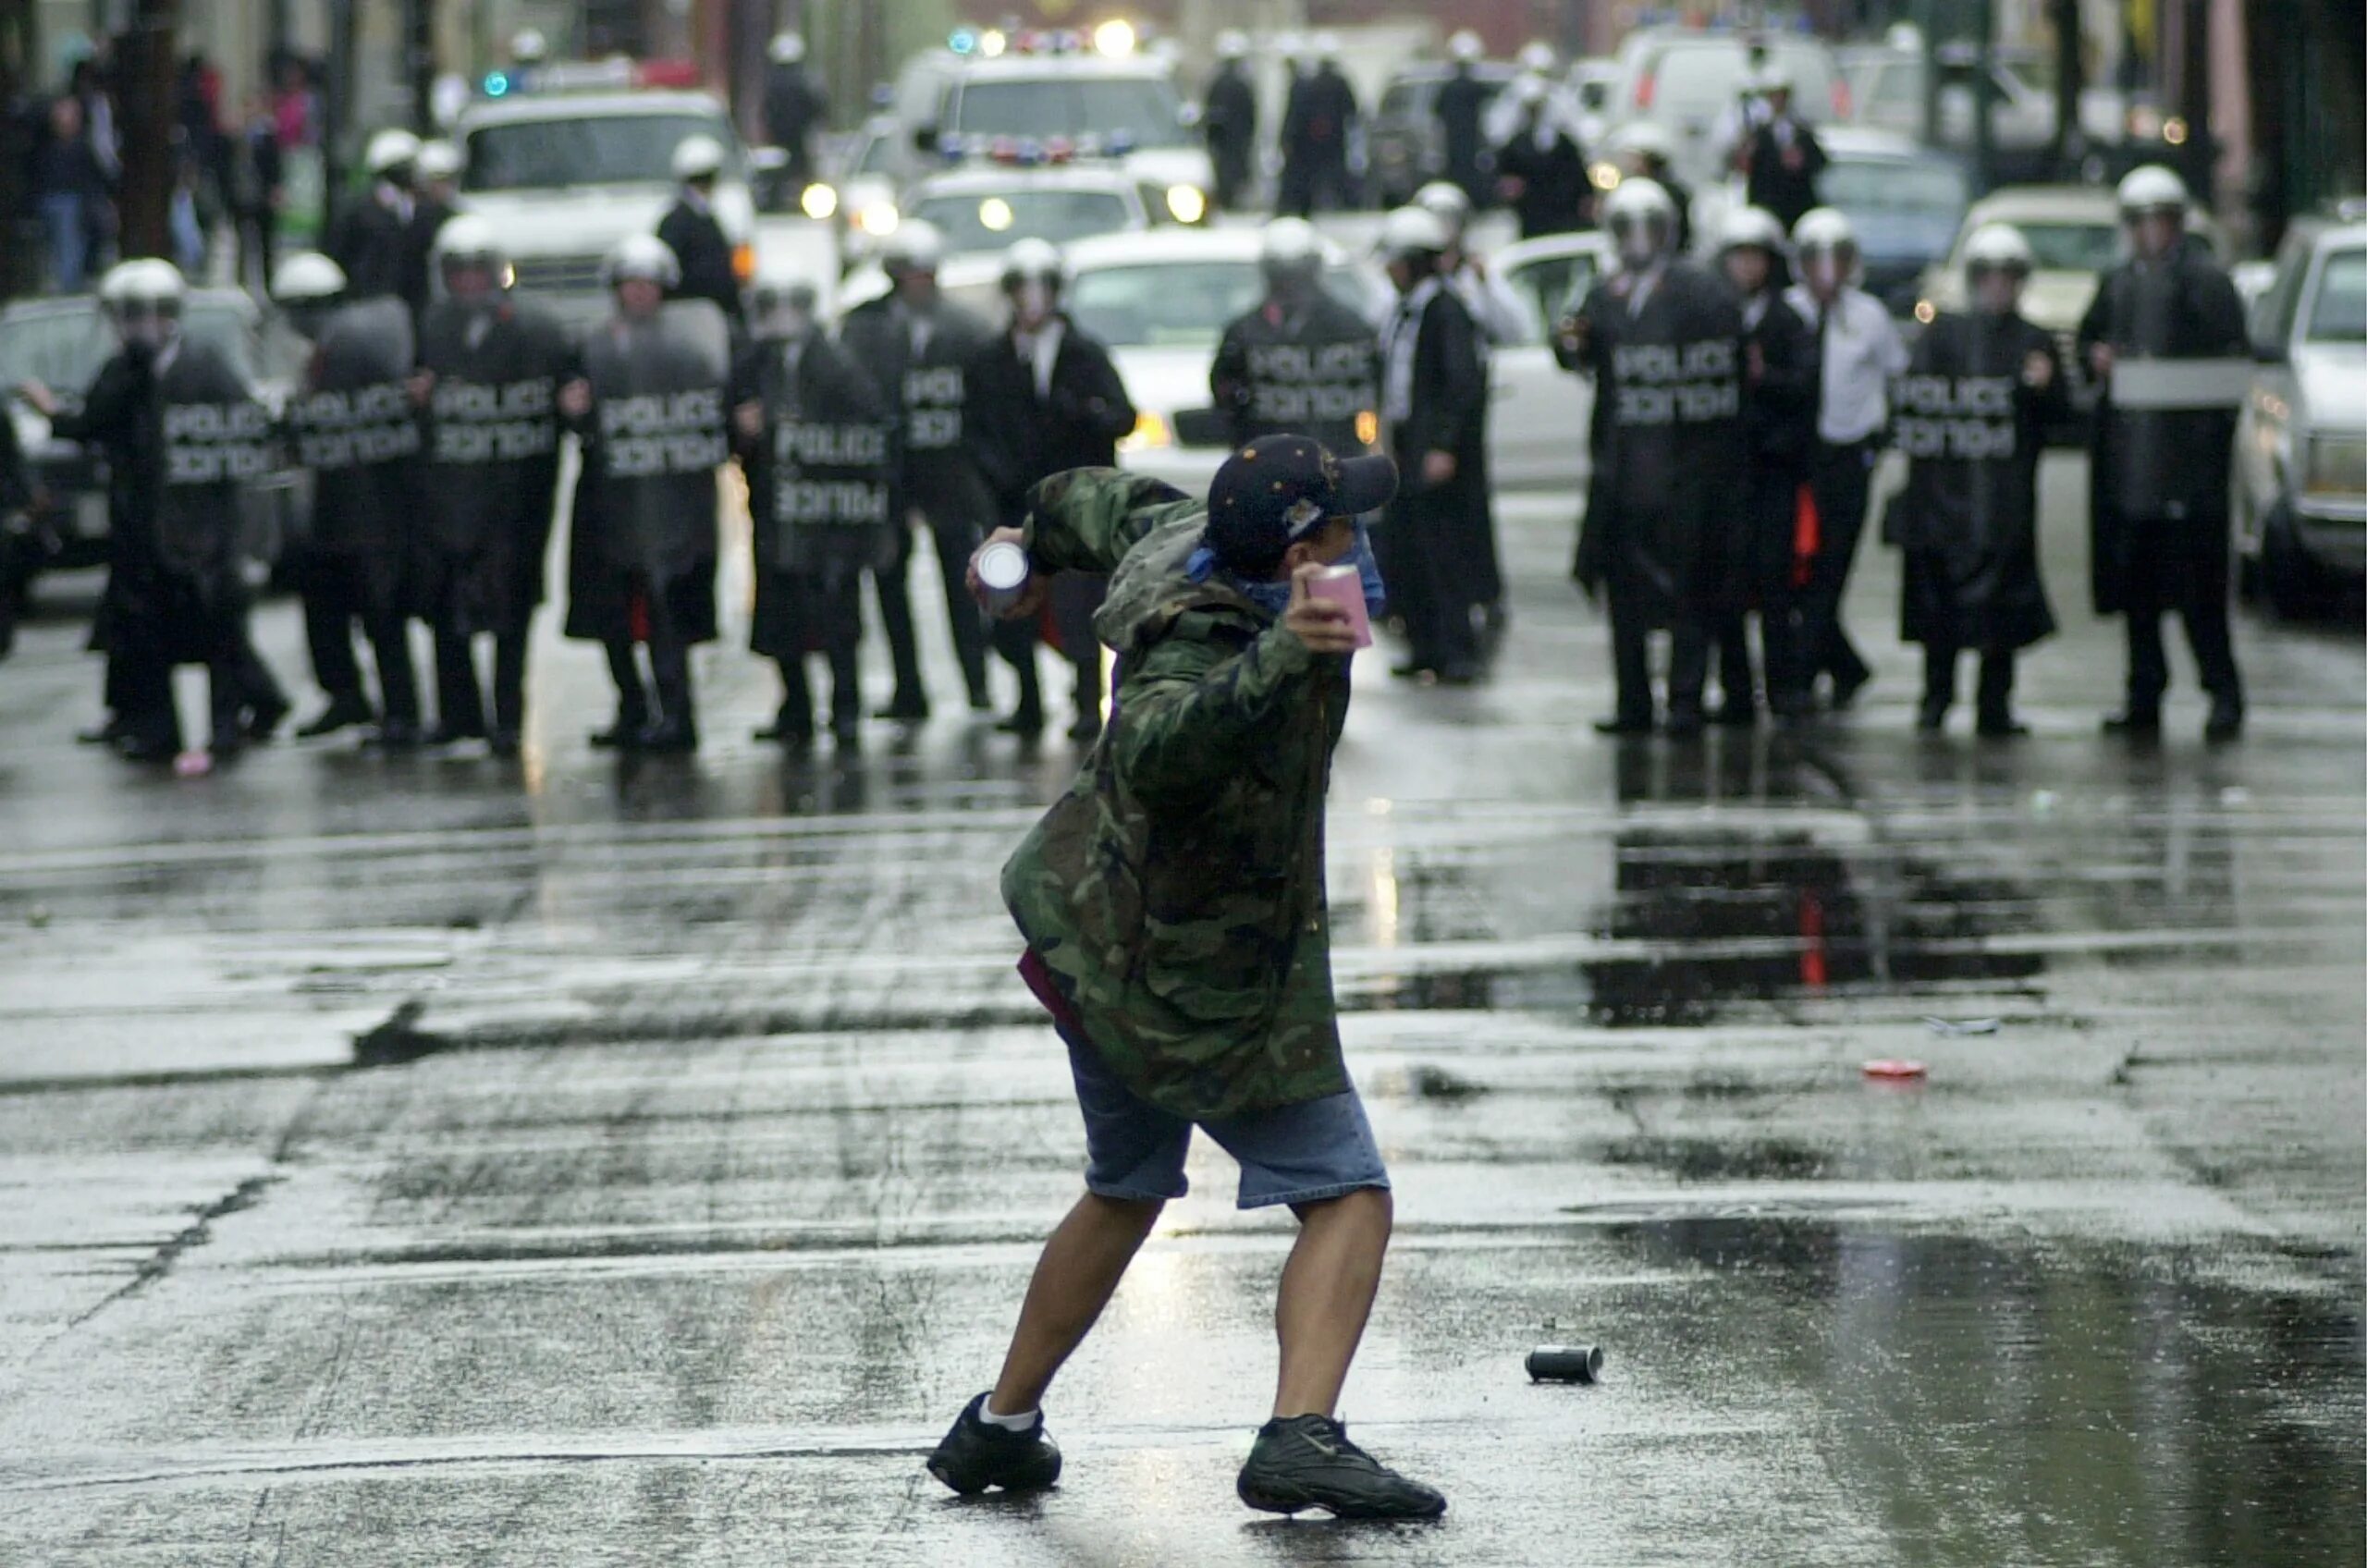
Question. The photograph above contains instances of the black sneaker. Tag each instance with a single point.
(1308, 1462)
(975, 1455)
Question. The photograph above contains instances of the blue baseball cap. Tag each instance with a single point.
(1279, 489)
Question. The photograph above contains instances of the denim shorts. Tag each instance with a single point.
(1301, 1153)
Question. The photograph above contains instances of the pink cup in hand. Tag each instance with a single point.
(1345, 587)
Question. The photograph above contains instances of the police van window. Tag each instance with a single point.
(1140, 107)
(604, 150)
(2340, 313)
(998, 220)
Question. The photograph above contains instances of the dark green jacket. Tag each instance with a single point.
(1176, 890)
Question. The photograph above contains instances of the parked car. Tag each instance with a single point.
(1689, 81)
(1403, 143)
(1886, 92)
(992, 208)
(61, 343)
(1905, 201)
(2300, 500)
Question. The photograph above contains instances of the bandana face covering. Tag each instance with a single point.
(1273, 596)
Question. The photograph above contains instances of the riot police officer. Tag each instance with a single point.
(1300, 363)
(812, 430)
(1229, 121)
(650, 405)
(1461, 106)
(794, 107)
(1641, 150)
(2165, 339)
(1043, 396)
(1320, 129)
(354, 430)
(917, 345)
(489, 366)
(690, 228)
(372, 241)
(1662, 540)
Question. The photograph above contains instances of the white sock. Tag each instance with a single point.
(1008, 1422)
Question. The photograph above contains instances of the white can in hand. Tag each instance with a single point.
(1002, 572)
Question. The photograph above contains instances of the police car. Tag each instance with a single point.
(993, 208)
(1093, 95)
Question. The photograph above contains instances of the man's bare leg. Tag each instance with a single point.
(1326, 1295)
(1081, 1263)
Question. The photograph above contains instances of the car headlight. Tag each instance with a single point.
(819, 201)
(1189, 204)
(2337, 465)
(879, 220)
(1149, 431)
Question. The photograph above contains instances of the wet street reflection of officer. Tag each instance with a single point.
(1972, 420)
(650, 407)
(812, 430)
(1043, 396)
(487, 390)
(917, 345)
(1663, 540)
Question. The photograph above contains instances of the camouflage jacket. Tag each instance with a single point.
(1176, 891)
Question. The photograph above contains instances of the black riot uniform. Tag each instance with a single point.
(642, 537)
(697, 239)
(1303, 366)
(1319, 123)
(794, 108)
(2159, 474)
(373, 243)
(1229, 120)
(1022, 426)
(1779, 386)
(919, 356)
(1461, 107)
(1662, 537)
(183, 435)
(1971, 426)
(1783, 162)
(1434, 389)
(1551, 168)
(354, 430)
(819, 491)
(489, 480)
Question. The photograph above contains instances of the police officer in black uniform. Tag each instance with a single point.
(701, 251)
(372, 241)
(1300, 363)
(1229, 121)
(794, 107)
(917, 345)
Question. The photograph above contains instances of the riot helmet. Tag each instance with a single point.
(1640, 217)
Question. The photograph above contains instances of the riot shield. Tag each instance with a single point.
(658, 435)
(828, 468)
(493, 419)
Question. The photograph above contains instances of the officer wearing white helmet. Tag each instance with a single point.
(1973, 410)
(1781, 158)
(1229, 120)
(1322, 137)
(918, 345)
(695, 234)
(306, 287)
(1299, 361)
(2165, 341)
(435, 184)
(1641, 150)
(1860, 354)
(796, 107)
(487, 364)
(374, 239)
(1779, 429)
(174, 592)
(1538, 58)
(1541, 168)
(528, 47)
(1662, 543)
(1043, 397)
(1461, 106)
(1433, 403)
(438, 167)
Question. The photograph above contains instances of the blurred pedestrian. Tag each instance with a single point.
(183, 434)
(1784, 159)
(1973, 410)
(296, 106)
(691, 231)
(2165, 341)
(1201, 996)
(794, 107)
(650, 407)
(1043, 396)
(1541, 168)
(1640, 150)
(184, 225)
(258, 190)
(489, 365)
(918, 345)
(71, 190)
(1859, 354)
(1662, 541)
(355, 432)
(1299, 361)
(1779, 389)
(1461, 104)
(371, 241)
(1433, 392)
(1319, 123)
(811, 430)
(1229, 121)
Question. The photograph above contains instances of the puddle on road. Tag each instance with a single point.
(2051, 1404)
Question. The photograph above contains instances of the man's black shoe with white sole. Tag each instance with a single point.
(1308, 1462)
(977, 1454)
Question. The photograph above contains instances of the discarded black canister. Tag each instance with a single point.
(1566, 1363)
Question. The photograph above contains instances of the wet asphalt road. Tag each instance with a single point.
(435, 1161)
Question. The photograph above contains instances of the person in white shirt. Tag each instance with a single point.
(1859, 354)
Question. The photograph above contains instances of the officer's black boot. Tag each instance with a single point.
(632, 700)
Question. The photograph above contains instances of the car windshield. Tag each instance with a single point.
(605, 149)
(1861, 184)
(1696, 80)
(63, 349)
(2072, 247)
(1182, 305)
(1141, 107)
(2340, 313)
(995, 220)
